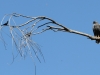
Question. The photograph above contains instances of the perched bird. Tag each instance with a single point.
(6, 23)
(96, 30)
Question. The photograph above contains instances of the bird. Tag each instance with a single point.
(6, 23)
(96, 30)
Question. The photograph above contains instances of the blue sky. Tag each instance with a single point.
(64, 53)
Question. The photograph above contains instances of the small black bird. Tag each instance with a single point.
(6, 23)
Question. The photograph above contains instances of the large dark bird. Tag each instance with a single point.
(96, 30)
(6, 23)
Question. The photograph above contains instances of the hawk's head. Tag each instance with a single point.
(95, 22)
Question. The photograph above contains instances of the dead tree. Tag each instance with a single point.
(22, 34)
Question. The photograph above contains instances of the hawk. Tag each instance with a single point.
(96, 30)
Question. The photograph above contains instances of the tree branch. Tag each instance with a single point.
(22, 34)
(65, 29)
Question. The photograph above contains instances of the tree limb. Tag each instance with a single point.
(22, 34)
(73, 31)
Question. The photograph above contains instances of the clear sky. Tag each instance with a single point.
(64, 53)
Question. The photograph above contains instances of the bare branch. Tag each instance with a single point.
(21, 34)
(73, 31)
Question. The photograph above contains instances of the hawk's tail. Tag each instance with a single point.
(97, 41)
